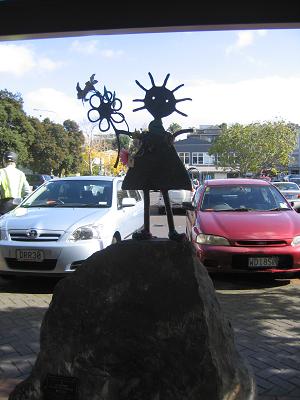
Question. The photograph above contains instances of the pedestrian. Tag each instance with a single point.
(13, 183)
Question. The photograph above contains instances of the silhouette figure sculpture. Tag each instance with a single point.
(156, 165)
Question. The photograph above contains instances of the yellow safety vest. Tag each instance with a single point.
(5, 188)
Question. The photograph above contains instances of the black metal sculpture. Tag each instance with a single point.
(156, 165)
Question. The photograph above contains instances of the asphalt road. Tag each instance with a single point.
(265, 316)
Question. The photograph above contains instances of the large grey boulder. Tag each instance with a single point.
(139, 320)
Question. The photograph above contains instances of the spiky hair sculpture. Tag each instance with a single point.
(159, 101)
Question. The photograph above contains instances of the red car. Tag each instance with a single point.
(244, 225)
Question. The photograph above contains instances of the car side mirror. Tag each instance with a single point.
(188, 205)
(128, 202)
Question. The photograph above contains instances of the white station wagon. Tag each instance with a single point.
(65, 221)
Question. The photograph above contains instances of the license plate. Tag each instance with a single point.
(262, 262)
(30, 255)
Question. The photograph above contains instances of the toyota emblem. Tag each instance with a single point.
(31, 233)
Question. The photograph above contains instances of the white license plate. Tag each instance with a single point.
(30, 255)
(262, 262)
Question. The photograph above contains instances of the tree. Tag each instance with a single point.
(93, 146)
(174, 127)
(16, 131)
(75, 140)
(255, 147)
(57, 148)
(43, 150)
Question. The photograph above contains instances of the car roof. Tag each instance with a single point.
(285, 182)
(91, 178)
(236, 181)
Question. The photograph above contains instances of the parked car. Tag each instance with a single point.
(36, 180)
(65, 221)
(295, 180)
(177, 198)
(291, 192)
(244, 225)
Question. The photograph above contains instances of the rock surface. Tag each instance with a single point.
(139, 320)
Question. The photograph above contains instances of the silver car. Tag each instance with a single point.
(65, 221)
(291, 192)
(177, 197)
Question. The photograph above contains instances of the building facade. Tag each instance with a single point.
(194, 152)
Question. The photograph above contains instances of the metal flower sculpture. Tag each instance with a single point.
(105, 108)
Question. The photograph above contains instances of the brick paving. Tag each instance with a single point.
(22, 307)
(265, 318)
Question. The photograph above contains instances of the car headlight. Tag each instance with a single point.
(212, 240)
(87, 232)
(296, 241)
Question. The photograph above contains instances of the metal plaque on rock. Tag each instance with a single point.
(58, 387)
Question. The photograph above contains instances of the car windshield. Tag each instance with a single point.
(71, 193)
(287, 186)
(243, 198)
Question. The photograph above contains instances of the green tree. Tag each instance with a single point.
(75, 140)
(255, 147)
(16, 131)
(174, 127)
(57, 148)
(124, 142)
(43, 150)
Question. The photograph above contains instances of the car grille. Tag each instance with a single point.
(240, 261)
(22, 236)
(46, 265)
(262, 243)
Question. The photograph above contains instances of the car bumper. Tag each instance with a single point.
(235, 259)
(59, 259)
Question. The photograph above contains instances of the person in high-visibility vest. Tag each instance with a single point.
(13, 183)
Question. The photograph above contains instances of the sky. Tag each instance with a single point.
(232, 76)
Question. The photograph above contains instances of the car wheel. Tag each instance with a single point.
(161, 210)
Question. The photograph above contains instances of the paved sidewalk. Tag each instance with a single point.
(22, 307)
(266, 322)
(265, 318)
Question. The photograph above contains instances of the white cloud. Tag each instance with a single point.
(18, 60)
(90, 47)
(53, 104)
(244, 39)
(85, 47)
(47, 64)
(254, 100)
(108, 53)
(262, 32)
